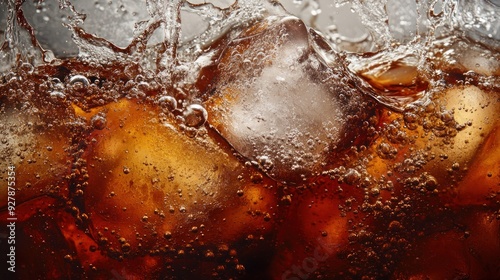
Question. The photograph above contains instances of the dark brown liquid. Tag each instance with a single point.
(110, 185)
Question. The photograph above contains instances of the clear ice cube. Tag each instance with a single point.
(277, 102)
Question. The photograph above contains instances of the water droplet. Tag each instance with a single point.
(195, 115)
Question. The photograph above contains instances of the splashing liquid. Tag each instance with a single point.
(250, 139)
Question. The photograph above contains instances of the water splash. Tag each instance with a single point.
(396, 32)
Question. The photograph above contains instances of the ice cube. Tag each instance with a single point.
(276, 101)
(34, 148)
(448, 146)
(402, 17)
(145, 178)
(480, 20)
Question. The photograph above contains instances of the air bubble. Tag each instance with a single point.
(98, 122)
(126, 247)
(167, 102)
(11, 76)
(240, 267)
(126, 170)
(209, 254)
(195, 115)
(167, 235)
(139, 78)
(27, 68)
(57, 95)
(79, 81)
(431, 183)
(375, 192)
(191, 132)
(352, 176)
(265, 162)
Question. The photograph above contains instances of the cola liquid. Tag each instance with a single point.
(260, 149)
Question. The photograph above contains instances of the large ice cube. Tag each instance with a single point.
(35, 142)
(145, 178)
(276, 101)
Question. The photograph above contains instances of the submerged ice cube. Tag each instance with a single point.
(144, 178)
(277, 102)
